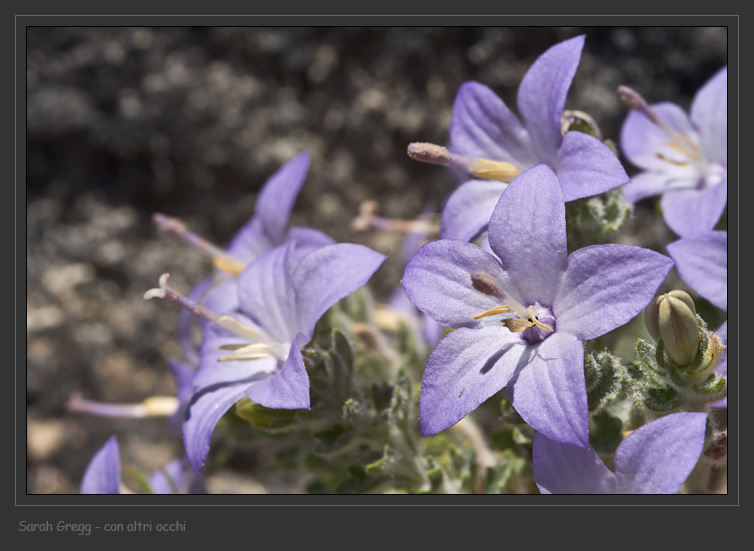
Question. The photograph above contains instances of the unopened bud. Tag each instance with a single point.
(671, 318)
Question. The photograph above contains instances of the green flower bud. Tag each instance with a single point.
(671, 318)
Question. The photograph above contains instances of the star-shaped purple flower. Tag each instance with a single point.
(549, 302)
(490, 142)
(256, 351)
(656, 458)
(265, 230)
(684, 158)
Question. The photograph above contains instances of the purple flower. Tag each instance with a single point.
(265, 230)
(702, 263)
(256, 352)
(656, 458)
(102, 475)
(549, 303)
(684, 159)
(490, 142)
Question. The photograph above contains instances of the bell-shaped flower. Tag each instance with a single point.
(265, 230)
(684, 158)
(256, 350)
(519, 315)
(491, 144)
(656, 458)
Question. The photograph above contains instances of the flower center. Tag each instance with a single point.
(481, 168)
(524, 320)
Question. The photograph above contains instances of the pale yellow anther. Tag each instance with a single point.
(536, 322)
(671, 161)
(240, 329)
(493, 312)
(516, 325)
(494, 170)
(245, 353)
(159, 406)
(230, 265)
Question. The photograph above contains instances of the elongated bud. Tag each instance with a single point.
(671, 318)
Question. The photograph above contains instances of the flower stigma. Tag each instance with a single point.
(482, 168)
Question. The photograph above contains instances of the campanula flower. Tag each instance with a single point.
(265, 230)
(684, 158)
(255, 351)
(519, 316)
(491, 144)
(656, 458)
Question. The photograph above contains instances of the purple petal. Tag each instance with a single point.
(307, 240)
(605, 286)
(542, 95)
(469, 209)
(276, 198)
(466, 368)
(641, 140)
(168, 480)
(565, 469)
(328, 274)
(102, 476)
(722, 366)
(587, 167)
(438, 281)
(266, 293)
(646, 184)
(657, 457)
(206, 408)
(709, 111)
(251, 241)
(482, 126)
(528, 234)
(289, 387)
(702, 263)
(549, 391)
(183, 376)
(692, 211)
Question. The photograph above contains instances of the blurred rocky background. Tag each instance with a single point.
(125, 122)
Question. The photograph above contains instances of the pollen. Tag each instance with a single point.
(494, 170)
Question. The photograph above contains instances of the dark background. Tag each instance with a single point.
(123, 122)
